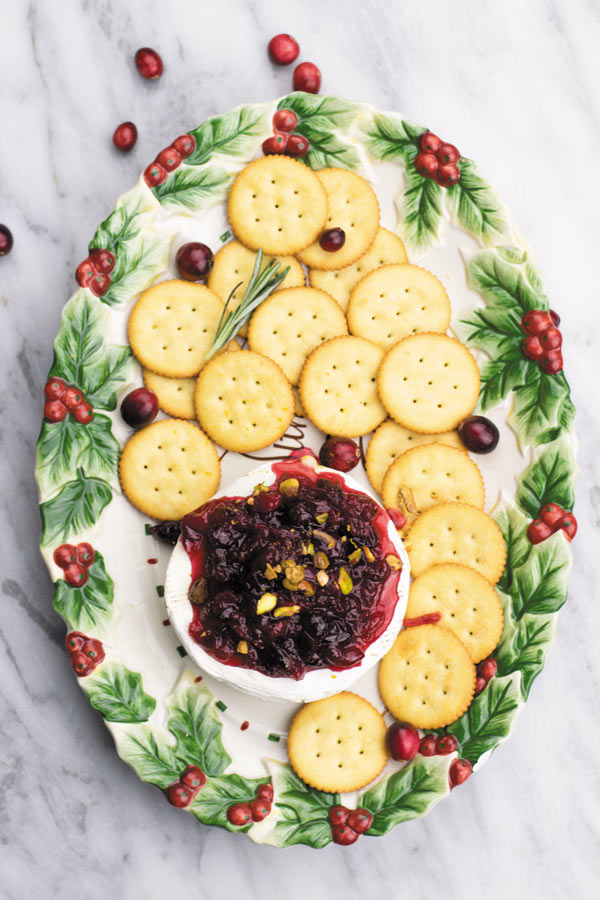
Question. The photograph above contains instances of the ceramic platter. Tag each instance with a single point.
(163, 712)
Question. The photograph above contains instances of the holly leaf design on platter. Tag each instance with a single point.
(151, 757)
(523, 647)
(406, 794)
(234, 134)
(304, 811)
(550, 479)
(390, 137)
(65, 446)
(118, 695)
(194, 189)
(89, 607)
(138, 262)
(75, 508)
(543, 409)
(503, 278)
(513, 525)
(539, 586)
(218, 794)
(421, 209)
(323, 121)
(475, 205)
(195, 724)
(121, 226)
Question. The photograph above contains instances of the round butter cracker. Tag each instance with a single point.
(391, 440)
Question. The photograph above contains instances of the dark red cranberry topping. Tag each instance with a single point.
(194, 261)
(167, 531)
(478, 434)
(333, 239)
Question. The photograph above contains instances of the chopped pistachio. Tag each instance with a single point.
(260, 489)
(355, 556)
(368, 554)
(286, 611)
(345, 582)
(294, 573)
(329, 540)
(308, 549)
(197, 592)
(289, 488)
(250, 501)
(266, 603)
(393, 562)
(242, 647)
(322, 518)
(322, 578)
(321, 560)
(270, 572)
(307, 588)
(290, 585)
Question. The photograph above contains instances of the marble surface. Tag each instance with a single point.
(515, 85)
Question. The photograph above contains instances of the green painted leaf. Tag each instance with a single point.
(236, 133)
(89, 607)
(327, 149)
(84, 357)
(75, 508)
(488, 719)
(192, 188)
(152, 758)
(218, 794)
(138, 263)
(117, 693)
(500, 376)
(502, 280)
(65, 446)
(524, 646)
(195, 724)
(513, 525)
(392, 137)
(539, 405)
(539, 585)
(476, 206)
(421, 210)
(120, 226)
(407, 794)
(494, 329)
(550, 479)
(304, 811)
(322, 121)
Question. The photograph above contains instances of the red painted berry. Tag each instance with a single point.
(6, 240)
(93, 649)
(532, 347)
(72, 398)
(84, 272)
(536, 321)
(85, 554)
(427, 745)
(55, 389)
(555, 318)
(538, 531)
(446, 744)
(239, 814)
(102, 260)
(154, 175)
(338, 815)
(307, 77)
(429, 142)
(193, 778)
(267, 501)
(402, 740)
(360, 820)
(297, 145)
(426, 164)
(283, 49)
(447, 175)
(125, 136)
(275, 145)
(339, 453)
(265, 792)
(568, 525)
(332, 239)
(480, 684)
(55, 411)
(179, 795)
(550, 514)
(478, 434)
(285, 120)
(552, 362)
(169, 159)
(99, 284)
(74, 641)
(148, 63)
(447, 154)
(259, 809)
(397, 518)
(194, 261)
(139, 407)
(81, 664)
(551, 338)
(487, 668)
(185, 144)
(76, 575)
(344, 835)
(459, 771)
(65, 555)
(83, 413)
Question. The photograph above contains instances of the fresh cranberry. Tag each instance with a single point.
(154, 175)
(479, 434)
(568, 525)
(487, 668)
(552, 362)
(285, 120)
(85, 554)
(402, 740)
(76, 575)
(339, 453)
(81, 664)
(427, 745)
(148, 63)
(307, 77)
(74, 641)
(536, 321)
(338, 815)
(344, 835)
(426, 164)
(268, 501)
(551, 339)
(447, 175)
(102, 260)
(265, 792)
(332, 239)
(125, 136)
(193, 778)
(169, 159)
(139, 407)
(99, 284)
(275, 145)
(65, 555)
(259, 809)
(555, 318)
(297, 145)
(239, 814)
(550, 514)
(55, 389)
(185, 144)
(538, 531)
(83, 413)
(167, 531)
(397, 518)
(179, 795)
(55, 411)
(480, 684)
(446, 744)
(6, 240)
(194, 261)
(84, 272)
(459, 771)
(283, 49)
(72, 398)
(360, 820)
(429, 142)
(532, 347)
(447, 154)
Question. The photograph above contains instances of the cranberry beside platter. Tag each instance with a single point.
(290, 584)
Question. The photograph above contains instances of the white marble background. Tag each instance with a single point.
(515, 86)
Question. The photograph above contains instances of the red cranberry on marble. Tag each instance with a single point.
(426, 164)
(179, 795)
(154, 174)
(459, 771)
(239, 814)
(307, 77)
(194, 261)
(148, 63)
(65, 555)
(55, 389)
(429, 142)
(76, 575)
(85, 554)
(6, 240)
(167, 531)
(275, 145)
(139, 407)
(339, 453)
(402, 740)
(332, 239)
(283, 49)
(83, 413)
(185, 144)
(169, 159)
(360, 820)
(447, 154)
(125, 136)
(55, 411)
(344, 835)
(478, 434)
(102, 260)
(338, 815)
(445, 744)
(297, 145)
(285, 120)
(447, 175)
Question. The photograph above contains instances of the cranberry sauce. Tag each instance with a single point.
(301, 575)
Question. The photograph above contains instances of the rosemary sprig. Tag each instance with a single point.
(261, 284)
